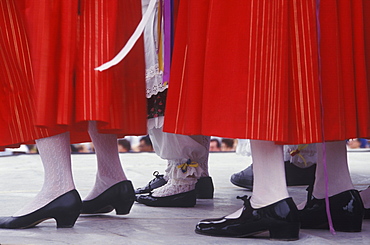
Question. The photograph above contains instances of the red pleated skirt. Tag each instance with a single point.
(271, 70)
(49, 52)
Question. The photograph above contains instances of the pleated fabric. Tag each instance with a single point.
(65, 41)
(269, 70)
(16, 80)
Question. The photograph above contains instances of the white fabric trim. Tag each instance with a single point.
(156, 122)
(133, 39)
(306, 158)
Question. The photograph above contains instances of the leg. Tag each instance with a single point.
(270, 196)
(58, 198)
(346, 208)
(55, 153)
(269, 185)
(187, 163)
(337, 169)
(112, 190)
(269, 173)
(183, 179)
(110, 170)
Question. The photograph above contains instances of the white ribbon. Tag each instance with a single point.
(133, 39)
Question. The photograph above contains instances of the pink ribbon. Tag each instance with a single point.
(327, 204)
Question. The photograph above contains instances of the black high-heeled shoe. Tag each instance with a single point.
(346, 209)
(120, 197)
(280, 219)
(65, 210)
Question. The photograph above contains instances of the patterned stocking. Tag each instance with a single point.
(55, 153)
(110, 169)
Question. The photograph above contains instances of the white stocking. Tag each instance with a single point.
(339, 178)
(365, 196)
(175, 186)
(110, 169)
(55, 153)
(269, 184)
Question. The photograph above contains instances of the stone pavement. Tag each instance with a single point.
(21, 177)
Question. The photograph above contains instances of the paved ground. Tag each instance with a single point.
(21, 178)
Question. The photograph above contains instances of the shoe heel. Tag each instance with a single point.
(204, 188)
(349, 224)
(285, 232)
(67, 221)
(123, 208)
(348, 216)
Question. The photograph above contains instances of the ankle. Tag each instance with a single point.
(321, 195)
(176, 186)
(257, 202)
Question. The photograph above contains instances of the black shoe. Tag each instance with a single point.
(366, 213)
(158, 181)
(295, 176)
(186, 199)
(65, 210)
(346, 209)
(204, 187)
(120, 197)
(280, 219)
(243, 178)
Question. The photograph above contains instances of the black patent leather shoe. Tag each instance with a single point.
(346, 209)
(158, 181)
(186, 199)
(65, 210)
(120, 197)
(280, 219)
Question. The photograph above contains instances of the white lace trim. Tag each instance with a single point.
(175, 186)
(305, 158)
(154, 81)
(173, 170)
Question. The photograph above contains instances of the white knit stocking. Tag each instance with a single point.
(110, 169)
(269, 184)
(55, 153)
(339, 178)
(175, 186)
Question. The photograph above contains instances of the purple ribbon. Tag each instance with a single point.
(327, 204)
(167, 18)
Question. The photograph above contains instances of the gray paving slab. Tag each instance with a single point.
(21, 178)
